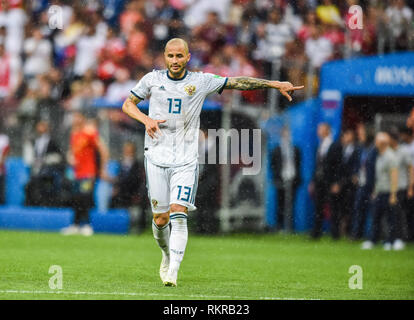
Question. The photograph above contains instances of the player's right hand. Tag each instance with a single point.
(152, 128)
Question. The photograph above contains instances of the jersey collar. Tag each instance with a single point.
(182, 78)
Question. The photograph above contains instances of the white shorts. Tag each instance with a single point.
(167, 185)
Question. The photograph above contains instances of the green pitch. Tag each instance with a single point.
(228, 267)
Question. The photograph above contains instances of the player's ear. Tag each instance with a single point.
(188, 56)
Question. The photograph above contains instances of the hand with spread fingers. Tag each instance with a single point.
(152, 128)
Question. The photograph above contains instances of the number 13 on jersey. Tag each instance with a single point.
(174, 105)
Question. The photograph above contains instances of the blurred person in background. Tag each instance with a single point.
(325, 183)
(405, 186)
(10, 73)
(87, 50)
(116, 90)
(38, 52)
(211, 31)
(168, 22)
(111, 56)
(88, 155)
(286, 163)
(47, 168)
(399, 17)
(318, 48)
(350, 166)
(4, 151)
(365, 181)
(278, 33)
(385, 193)
(137, 42)
(304, 33)
(407, 141)
(328, 12)
(14, 18)
(129, 189)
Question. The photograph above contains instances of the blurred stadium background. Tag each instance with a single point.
(351, 77)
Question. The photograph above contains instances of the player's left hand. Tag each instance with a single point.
(286, 88)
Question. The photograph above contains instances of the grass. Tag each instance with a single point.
(220, 267)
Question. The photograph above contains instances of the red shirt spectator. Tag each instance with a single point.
(4, 73)
(137, 43)
(84, 147)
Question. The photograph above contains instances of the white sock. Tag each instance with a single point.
(178, 240)
(162, 236)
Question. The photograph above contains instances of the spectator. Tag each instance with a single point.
(406, 135)
(38, 53)
(4, 151)
(385, 193)
(278, 33)
(129, 186)
(8, 80)
(167, 23)
(14, 19)
(133, 14)
(405, 186)
(87, 51)
(328, 13)
(211, 31)
(119, 90)
(325, 182)
(350, 159)
(318, 48)
(197, 11)
(304, 33)
(137, 42)
(399, 18)
(365, 182)
(286, 164)
(245, 32)
(47, 169)
(218, 66)
(85, 147)
(112, 56)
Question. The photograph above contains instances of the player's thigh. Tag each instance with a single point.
(158, 187)
(183, 186)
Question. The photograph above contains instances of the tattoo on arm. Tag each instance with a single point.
(246, 83)
(134, 99)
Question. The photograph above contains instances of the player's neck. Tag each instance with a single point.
(177, 76)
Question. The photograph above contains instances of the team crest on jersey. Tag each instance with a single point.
(154, 203)
(190, 89)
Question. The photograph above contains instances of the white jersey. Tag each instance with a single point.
(179, 102)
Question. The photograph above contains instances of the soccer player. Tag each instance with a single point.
(171, 143)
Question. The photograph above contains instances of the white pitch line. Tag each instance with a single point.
(146, 294)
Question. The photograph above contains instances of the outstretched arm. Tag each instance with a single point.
(248, 83)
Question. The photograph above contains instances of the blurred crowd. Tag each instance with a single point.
(362, 187)
(101, 47)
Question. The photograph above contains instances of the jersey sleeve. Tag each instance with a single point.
(214, 83)
(142, 88)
